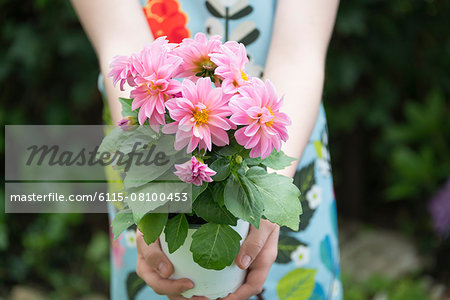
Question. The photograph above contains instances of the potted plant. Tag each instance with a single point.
(218, 131)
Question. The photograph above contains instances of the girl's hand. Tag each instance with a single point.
(154, 268)
(257, 254)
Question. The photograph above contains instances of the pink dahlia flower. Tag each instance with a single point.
(200, 116)
(195, 54)
(155, 83)
(194, 172)
(123, 70)
(230, 66)
(257, 108)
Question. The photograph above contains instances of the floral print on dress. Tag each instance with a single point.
(300, 256)
(117, 249)
(323, 153)
(130, 238)
(165, 18)
(225, 12)
(314, 196)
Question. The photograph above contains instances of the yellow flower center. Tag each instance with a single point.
(205, 67)
(201, 116)
(154, 87)
(151, 90)
(244, 76)
(206, 64)
(270, 123)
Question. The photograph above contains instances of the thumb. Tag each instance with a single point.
(254, 243)
(155, 257)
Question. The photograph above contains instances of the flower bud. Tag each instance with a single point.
(127, 123)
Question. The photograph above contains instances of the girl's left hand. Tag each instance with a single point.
(258, 253)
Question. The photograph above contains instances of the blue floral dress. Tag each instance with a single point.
(307, 266)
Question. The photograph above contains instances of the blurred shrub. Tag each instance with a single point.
(387, 99)
(420, 155)
(48, 70)
(376, 287)
(48, 75)
(59, 252)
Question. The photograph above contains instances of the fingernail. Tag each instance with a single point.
(189, 286)
(162, 268)
(245, 261)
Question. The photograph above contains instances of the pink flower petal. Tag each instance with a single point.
(257, 108)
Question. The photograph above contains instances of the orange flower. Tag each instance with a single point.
(165, 18)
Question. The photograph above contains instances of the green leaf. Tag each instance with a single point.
(134, 285)
(213, 10)
(215, 246)
(138, 198)
(318, 147)
(137, 139)
(126, 108)
(208, 209)
(217, 191)
(139, 175)
(176, 232)
(326, 254)
(306, 215)
(242, 13)
(197, 190)
(286, 245)
(243, 199)
(250, 37)
(280, 197)
(122, 220)
(222, 168)
(120, 140)
(297, 285)
(305, 179)
(276, 160)
(253, 161)
(231, 149)
(151, 225)
(156, 159)
(113, 140)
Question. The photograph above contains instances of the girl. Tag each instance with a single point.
(287, 42)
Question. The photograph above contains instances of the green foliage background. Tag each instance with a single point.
(387, 100)
(386, 95)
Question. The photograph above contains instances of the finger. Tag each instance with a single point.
(154, 256)
(254, 283)
(160, 285)
(254, 243)
(258, 272)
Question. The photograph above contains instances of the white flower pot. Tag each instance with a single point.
(210, 283)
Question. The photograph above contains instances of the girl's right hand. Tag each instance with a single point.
(154, 268)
